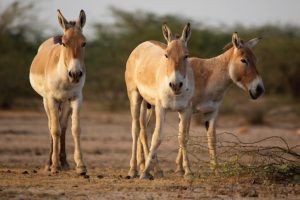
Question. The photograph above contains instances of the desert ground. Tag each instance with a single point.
(106, 145)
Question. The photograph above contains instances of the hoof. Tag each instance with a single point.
(159, 174)
(54, 169)
(179, 172)
(81, 170)
(65, 165)
(146, 176)
(133, 173)
(189, 176)
(47, 168)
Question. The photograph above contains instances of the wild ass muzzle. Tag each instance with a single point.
(57, 73)
(159, 75)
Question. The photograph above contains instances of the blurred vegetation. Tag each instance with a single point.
(107, 52)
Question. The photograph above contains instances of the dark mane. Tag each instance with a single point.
(227, 46)
(57, 39)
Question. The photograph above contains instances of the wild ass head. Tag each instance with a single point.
(175, 61)
(74, 46)
(242, 67)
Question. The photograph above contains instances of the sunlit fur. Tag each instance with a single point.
(160, 75)
(57, 73)
(212, 79)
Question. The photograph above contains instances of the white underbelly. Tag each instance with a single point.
(149, 94)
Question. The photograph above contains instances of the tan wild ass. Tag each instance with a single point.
(57, 73)
(160, 75)
(212, 79)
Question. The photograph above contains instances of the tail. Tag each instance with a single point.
(149, 114)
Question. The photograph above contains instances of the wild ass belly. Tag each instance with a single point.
(37, 82)
(208, 109)
(149, 94)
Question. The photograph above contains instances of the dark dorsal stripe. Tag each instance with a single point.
(57, 39)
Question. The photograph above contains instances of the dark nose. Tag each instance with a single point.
(176, 86)
(75, 75)
(259, 90)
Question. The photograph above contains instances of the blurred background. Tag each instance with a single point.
(114, 28)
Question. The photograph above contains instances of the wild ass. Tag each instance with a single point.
(212, 79)
(160, 75)
(58, 73)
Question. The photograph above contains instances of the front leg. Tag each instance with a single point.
(75, 105)
(212, 142)
(185, 118)
(64, 117)
(156, 140)
(55, 131)
(49, 161)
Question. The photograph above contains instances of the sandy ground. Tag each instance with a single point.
(106, 145)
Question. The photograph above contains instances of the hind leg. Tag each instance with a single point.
(64, 117)
(142, 146)
(135, 103)
(49, 161)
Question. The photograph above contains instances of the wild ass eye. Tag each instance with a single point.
(83, 44)
(64, 44)
(186, 56)
(166, 55)
(244, 61)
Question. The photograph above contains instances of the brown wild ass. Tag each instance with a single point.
(57, 73)
(212, 79)
(160, 75)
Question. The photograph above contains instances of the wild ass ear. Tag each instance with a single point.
(186, 33)
(81, 20)
(167, 33)
(236, 41)
(62, 20)
(252, 43)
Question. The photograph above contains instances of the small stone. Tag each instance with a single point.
(86, 176)
(34, 171)
(25, 172)
(8, 171)
(100, 176)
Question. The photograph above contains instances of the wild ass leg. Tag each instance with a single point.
(212, 143)
(179, 160)
(135, 103)
(156, 140)
(179, 167)
(185, 117)
(49, 161)
(64, 117)
(142, 146)
(75, 105)
(55, 130)
(143, 149)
